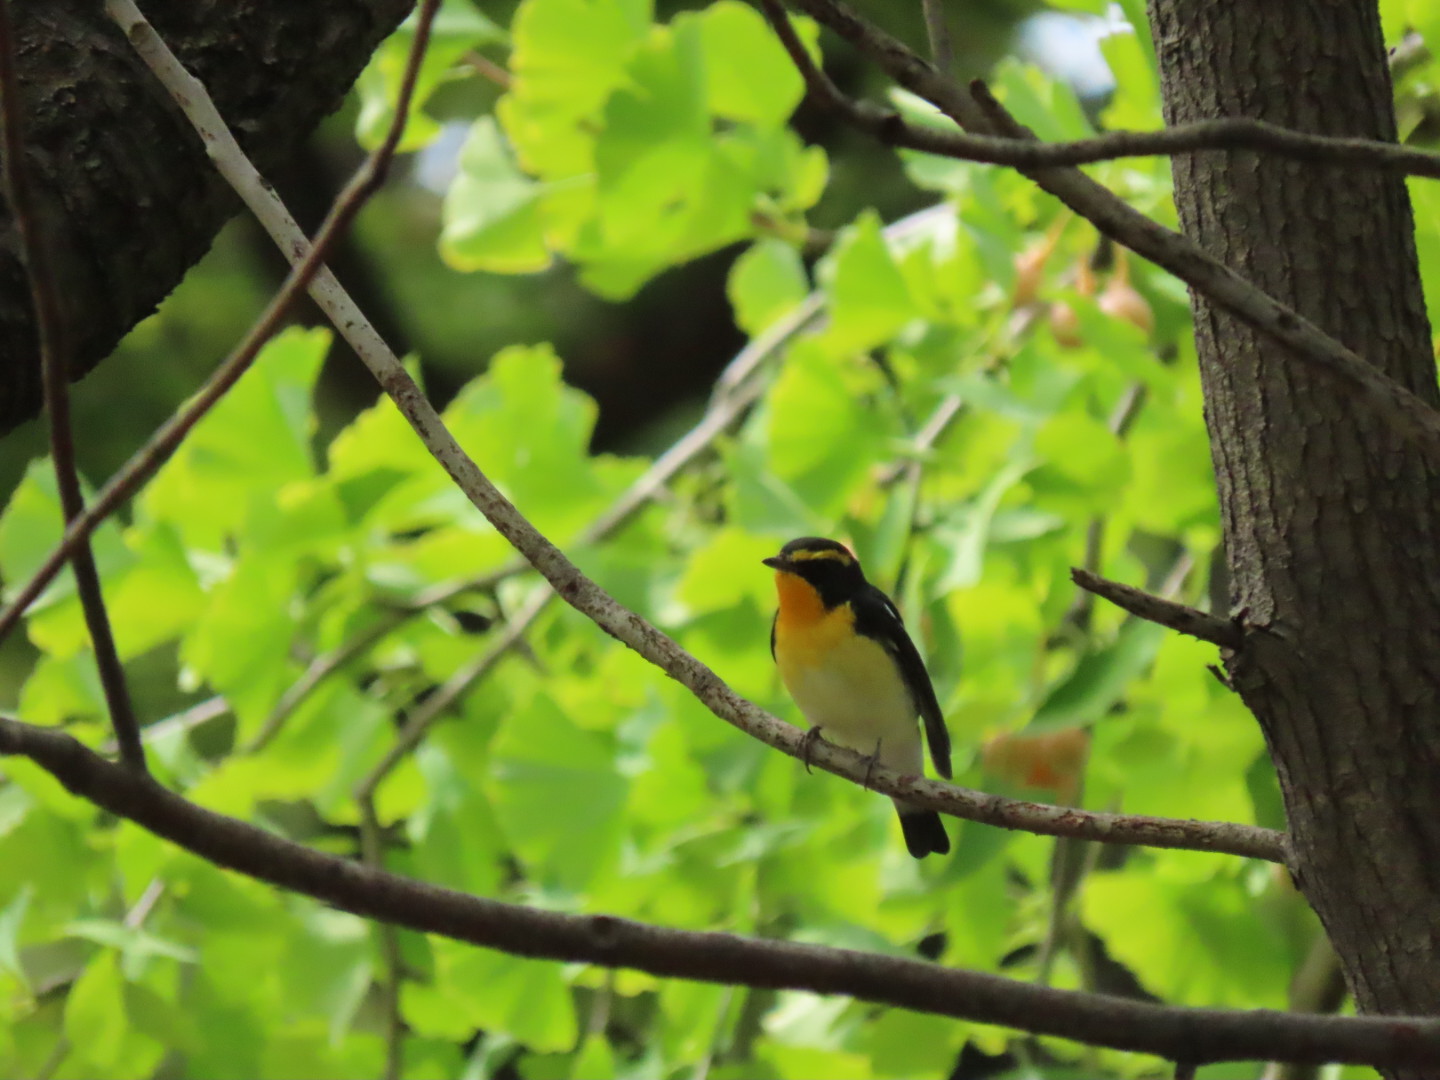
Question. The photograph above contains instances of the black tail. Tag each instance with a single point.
(924, 833)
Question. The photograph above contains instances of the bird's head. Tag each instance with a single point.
(828, 566)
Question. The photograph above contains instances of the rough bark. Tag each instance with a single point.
(1330, 518)
(129, 198)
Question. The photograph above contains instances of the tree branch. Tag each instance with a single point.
(1225, 134)
(983, 115)
(1156, 609)
(35, 246)
(1180, 1034)
(372, 854)
(938, 33)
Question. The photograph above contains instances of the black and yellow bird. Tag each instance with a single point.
(846, 659)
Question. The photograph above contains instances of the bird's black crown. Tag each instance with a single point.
(828, 565)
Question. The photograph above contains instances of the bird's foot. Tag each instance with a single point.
(807, 745)
(870, 763)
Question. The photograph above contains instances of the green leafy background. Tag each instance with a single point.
(576, 778)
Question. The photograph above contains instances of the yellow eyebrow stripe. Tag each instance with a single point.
(827, 553)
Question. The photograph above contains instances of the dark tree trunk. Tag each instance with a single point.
(130, 199)
(1330, 517)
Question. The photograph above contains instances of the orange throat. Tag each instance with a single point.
(800, 605)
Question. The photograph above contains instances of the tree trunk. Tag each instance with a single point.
(1330, 517)
(129, 198)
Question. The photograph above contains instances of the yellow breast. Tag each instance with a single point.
(805, 632)
(841, 681)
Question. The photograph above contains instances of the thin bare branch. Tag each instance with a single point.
(1121, 418)
(320, 669)
(188, 719)
(941, 54)
(1179, 1034)
(55, 369)
(488, 69)
(1156, 609)
(136, 916)
(1409, 53)
(724, 411)
(979, 112)
(1203, 136)
(442, 700)
(372, 853)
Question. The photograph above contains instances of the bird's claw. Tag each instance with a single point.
(870, 763)
(807, 746)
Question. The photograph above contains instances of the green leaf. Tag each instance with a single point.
(32, 525)
(1187, 944)
(456, 29)
(12, 919)
(826, 424)
(758, 500)
(524, 999)
(162, 1019)
(1131, 56)
(664, 193)
(748, 75)
(766, 283)
(1264, 788)
(869, 300)
(62, 689)
(969, 531)
(556, 794)
(530, 433)
(95, 1010)
(1139, 20)
(1046, 106)
(246, 449)
(493, 212)
(568, 58)
(158, 598)
(727, 571)
(1099, 679)
(1085, 467)
(133, 943)
(595, 1060)
(241, 644)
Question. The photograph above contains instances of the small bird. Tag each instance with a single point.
(846, 659)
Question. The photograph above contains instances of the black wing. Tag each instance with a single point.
(876, 617)
(773, 621)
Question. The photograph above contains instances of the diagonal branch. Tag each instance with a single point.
(737, 390)
(979, 112)
(1178, 617)
(1179, 1034)
(54, 365)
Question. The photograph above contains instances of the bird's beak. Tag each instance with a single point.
(775, 562)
